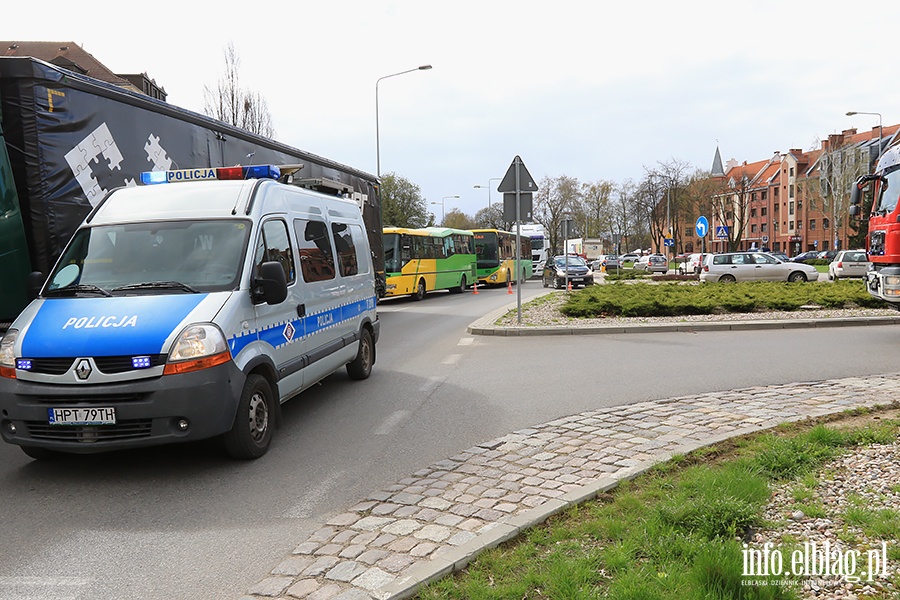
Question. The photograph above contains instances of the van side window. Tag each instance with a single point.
(346, 251)
(359, 242)
(314, 244)
(275, 245)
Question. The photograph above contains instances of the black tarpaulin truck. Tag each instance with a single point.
(68, 139)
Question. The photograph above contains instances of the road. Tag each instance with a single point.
(184, 522)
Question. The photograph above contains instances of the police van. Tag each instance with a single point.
(190, 310)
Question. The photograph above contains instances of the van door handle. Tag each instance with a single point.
(301, 310)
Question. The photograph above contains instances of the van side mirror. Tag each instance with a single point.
(271, 285)
(33, 284)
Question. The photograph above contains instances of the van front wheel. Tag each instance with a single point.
(361, 366)
(251, 433)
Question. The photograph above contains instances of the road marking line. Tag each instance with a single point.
(452, 359)
(466, 341)
(301, 509)
(392, 421)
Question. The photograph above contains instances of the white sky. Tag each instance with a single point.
(592, 90)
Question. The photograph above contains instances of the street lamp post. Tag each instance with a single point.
(442, 206)
(377, 137)
(880, 128)
(488, 186)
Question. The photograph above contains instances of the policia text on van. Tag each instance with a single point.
(190, 310)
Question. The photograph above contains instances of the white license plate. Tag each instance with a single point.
(81, 416)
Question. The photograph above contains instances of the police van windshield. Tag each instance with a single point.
(160, 257)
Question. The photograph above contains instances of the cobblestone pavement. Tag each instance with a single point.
(438, 519)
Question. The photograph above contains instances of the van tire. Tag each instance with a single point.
(420, 290)
(361, 366)
(251, 433)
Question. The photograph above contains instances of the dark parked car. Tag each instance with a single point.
(827, 255)
(805, 256)
(579, 273)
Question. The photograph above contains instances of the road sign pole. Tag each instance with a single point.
(518, 244)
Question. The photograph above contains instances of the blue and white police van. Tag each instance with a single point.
(190, 310)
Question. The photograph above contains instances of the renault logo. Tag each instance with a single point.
(83, 369)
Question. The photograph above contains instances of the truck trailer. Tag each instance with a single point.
(68, 139)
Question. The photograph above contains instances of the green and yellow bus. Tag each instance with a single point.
(418, 261)
(496, 252)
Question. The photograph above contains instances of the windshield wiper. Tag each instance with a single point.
(81, 287)
(158, 285)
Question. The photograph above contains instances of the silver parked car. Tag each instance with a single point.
(754, 266)
(849, 263)
(652, 263)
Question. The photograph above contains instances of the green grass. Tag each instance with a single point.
(673, 533)
(673, 299)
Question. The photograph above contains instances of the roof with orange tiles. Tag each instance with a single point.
(67, 55)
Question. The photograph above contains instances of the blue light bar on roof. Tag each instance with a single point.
(206, 173)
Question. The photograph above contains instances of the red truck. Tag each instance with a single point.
(877, 192)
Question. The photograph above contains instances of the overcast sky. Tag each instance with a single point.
(592, 90)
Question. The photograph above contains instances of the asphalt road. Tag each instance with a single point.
(184, 522)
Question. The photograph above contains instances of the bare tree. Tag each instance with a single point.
(730, 206)
(837, 169)
(625, 222)
(233, 104)
(554, 199)
(595, 199)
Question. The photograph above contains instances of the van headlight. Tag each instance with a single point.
(7, 354)
(197, 347)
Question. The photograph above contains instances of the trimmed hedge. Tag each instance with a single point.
(640, 299)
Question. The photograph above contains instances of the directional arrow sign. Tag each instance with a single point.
(702, 226)
(526, 183)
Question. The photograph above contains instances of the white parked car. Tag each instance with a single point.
(849, 263)
(691, 265)
(754, 266)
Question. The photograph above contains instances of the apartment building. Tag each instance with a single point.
(794, 201)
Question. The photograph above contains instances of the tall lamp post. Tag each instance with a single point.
(377, 137)
(488, 186)
(442, 206)
(880, 129)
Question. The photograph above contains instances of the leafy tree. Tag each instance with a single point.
(231, 103)
(457, 219)
(490, 218)
(402, 204)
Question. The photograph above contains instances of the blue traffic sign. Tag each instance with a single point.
(702, 226)
(669, 242)
(722, 231)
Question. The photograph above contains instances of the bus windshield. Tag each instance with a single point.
(486, 249)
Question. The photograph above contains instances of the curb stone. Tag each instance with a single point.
(490, 493)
